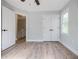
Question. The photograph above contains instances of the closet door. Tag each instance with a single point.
(46, 28)
(50, 28)
(8, 28)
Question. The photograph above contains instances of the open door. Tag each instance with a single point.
(21, 28)
(8, 28)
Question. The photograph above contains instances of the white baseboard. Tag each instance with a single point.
(76, 53)
(34, 40)
(38, 40)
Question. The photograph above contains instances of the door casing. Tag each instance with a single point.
(26, 15)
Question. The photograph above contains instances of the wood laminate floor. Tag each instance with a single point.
(38, 50)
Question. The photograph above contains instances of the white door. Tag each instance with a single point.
(50, 28)
(55, 26)
(46, 27)
(8, 28)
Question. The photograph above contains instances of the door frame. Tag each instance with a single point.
(26, 24)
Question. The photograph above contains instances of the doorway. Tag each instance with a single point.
(21, 28)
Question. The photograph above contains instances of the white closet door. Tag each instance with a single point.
(8, 28)
(46, 27)
(55, 27)
(50, 28)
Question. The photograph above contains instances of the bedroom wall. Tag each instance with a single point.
(71, 40)
(35, 25)
(35, 32)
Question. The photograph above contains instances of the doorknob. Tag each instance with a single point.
(50, 29)
(4, 30)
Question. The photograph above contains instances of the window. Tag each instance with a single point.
(65, 23)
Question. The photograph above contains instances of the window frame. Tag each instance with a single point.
(62, 15)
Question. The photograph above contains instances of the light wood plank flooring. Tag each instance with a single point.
(38, 50)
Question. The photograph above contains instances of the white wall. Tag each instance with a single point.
(35, 25)
(71, 40)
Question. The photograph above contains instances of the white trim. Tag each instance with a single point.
(51, 40)
(37, 40)
(69, 48)
(27, 28)
(16, 26)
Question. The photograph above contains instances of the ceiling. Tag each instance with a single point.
(45, 5)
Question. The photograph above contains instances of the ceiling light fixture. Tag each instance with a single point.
(23, 0)
(37, 2)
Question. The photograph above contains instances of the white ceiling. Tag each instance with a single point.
(45, 5)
